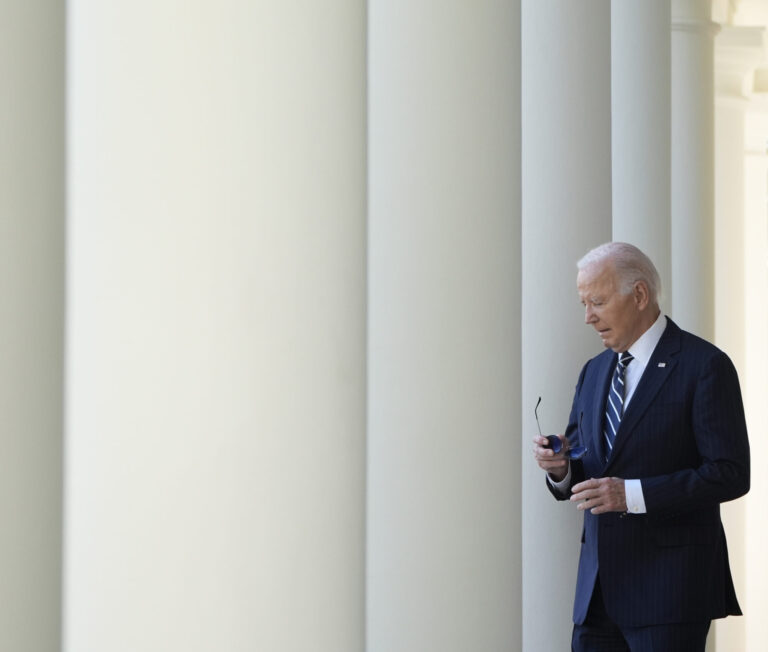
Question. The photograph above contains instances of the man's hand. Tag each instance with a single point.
(555, 465)
(601, 495)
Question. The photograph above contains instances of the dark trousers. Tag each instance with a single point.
(600, 634)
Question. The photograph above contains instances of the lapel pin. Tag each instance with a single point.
(662, 364)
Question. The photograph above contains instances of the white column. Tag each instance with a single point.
(754, 373)
(444, 334)
(738, 50)
(216, 331)
(640, 124)
(692, 284)
(566, 191)
(32, 321)
(755, 378)
(729, 318)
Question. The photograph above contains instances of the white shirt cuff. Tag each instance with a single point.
(633, 490)
(563, 485)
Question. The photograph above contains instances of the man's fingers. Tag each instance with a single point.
(599, 496)
(587, 484)
(583, 486)
(591, 497)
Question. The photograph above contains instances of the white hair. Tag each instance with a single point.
(631, 265)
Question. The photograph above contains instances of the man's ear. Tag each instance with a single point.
(641, 294)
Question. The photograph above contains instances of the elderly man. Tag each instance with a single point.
(661, 415)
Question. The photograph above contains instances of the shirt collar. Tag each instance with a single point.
(643, 348)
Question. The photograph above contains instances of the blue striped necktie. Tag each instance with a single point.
(614, 406)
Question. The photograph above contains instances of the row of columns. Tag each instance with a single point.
(657, 95)
(310, 308)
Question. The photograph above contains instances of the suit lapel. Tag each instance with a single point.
(602, 382)
(660, 366)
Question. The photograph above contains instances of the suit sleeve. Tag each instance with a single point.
(720, 465)
(577, 467)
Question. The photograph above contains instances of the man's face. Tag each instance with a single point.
(616, 317)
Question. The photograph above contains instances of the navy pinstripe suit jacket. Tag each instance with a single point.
(684, 436)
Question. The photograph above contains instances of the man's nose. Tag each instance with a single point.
(589, 316)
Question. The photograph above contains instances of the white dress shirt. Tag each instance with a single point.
(641, 351)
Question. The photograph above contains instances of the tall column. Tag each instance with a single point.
(32, 316)
(738, 51)
(640, 126)
(566, 186)
(693, 151)
(729, 313)
(444, 335)
(216, 331)
(755, 377)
